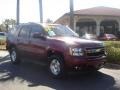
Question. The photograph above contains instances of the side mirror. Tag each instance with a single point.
(39, 35)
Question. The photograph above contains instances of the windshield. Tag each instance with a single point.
(59, 30)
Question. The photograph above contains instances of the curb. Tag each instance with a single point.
(112, 66)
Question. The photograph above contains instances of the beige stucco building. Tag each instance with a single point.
(97, 20)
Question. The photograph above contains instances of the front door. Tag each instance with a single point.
(37, 45)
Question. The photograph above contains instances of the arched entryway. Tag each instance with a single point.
(109, 26)
(86, 26)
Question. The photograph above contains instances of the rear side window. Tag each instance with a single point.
(14, 31)
(24, 32)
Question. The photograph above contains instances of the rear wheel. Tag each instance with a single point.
(56, 66)
(14, 56)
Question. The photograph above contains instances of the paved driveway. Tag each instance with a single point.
(3, 53)
(28, 76)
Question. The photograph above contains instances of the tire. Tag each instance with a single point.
(56, 67)
(14, 56)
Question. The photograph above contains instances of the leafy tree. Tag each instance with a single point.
(49, 21)
(2, 28)
(6, 24)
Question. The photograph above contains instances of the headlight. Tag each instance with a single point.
(76, 52)
(102, 44)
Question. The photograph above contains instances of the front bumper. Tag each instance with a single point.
(72, 61)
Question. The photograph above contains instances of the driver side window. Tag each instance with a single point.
(36, 29)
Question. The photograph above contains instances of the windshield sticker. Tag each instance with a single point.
(48, 28)
(51, 33)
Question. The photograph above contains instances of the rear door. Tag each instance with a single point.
(23, 40)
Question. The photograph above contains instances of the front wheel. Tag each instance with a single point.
(14, 56)
(56, 67)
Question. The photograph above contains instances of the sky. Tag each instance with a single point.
(52, 9)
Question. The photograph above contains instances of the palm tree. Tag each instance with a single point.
(41, 11)
(71, 15)
(18, 12)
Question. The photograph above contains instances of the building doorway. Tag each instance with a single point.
(109, 27)
(86, 26)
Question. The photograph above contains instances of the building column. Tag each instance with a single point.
(97, 28)
(74, 25)
(119, 26)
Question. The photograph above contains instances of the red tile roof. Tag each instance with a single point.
(107, 11)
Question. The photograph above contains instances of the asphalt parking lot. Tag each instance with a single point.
(28, 76)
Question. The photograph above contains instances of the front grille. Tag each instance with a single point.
(95, 51)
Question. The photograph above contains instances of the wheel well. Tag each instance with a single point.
(51, 52)
(11, 46)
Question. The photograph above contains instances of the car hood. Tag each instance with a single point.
(79, 42)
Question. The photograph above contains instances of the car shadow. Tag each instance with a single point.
(36, 75)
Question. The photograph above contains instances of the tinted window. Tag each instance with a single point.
(36, 29)
(2, 34)
(24, 32)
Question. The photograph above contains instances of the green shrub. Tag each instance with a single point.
(113, 51)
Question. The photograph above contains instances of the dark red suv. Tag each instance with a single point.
(55, 45)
